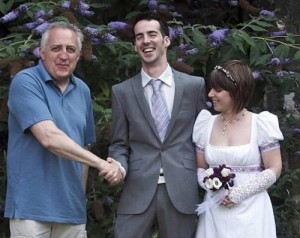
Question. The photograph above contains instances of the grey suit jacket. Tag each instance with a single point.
(136, 144)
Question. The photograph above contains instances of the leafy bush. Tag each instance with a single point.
(198, 44)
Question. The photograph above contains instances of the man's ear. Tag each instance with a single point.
(41, 53)
(167, 41)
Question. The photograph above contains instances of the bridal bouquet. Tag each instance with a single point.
(218, 177)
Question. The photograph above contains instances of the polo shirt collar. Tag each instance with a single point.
(45, 76)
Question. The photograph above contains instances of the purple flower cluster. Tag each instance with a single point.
(209, 104)
(275, 61)
(175, 32)
(296, 131)
(256, 74)
(107, 37)
(233, 3)
(91, 31)
(152, 4)
(267, 13)
(39, 25)
(287, 61)
(118, 25)
(279, 33)
(219, 177)
(82, 8)
(218, 36)
(192, 51)
(40, 29)
(14, 14)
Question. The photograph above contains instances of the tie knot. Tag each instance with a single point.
(156, 84)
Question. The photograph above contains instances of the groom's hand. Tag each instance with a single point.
(114, 174)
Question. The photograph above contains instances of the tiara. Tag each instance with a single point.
(226, 72)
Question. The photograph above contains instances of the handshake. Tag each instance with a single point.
(112, 171)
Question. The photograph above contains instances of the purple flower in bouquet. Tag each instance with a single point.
(219, 177)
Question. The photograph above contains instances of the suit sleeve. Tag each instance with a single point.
(119, 149)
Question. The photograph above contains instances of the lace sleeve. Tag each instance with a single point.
(262, 182)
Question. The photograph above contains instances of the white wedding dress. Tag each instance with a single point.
(253, 217)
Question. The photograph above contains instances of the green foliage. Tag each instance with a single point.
(196, 48)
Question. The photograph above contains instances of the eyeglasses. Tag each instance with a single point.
(226, 72)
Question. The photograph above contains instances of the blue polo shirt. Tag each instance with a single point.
(42, 186)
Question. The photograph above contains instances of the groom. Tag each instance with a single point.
(159, 164)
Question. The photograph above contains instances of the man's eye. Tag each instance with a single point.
(55, 49)
(138, 38)
(71, 50)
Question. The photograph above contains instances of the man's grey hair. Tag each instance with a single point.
(64, 25)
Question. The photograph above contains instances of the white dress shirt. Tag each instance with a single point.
(167, 88)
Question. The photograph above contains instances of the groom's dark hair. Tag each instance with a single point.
(149, 16)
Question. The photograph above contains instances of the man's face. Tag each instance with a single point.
(149, 42)
(61, 54)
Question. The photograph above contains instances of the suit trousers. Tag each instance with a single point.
(160, 214)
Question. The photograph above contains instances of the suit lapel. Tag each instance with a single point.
(179, 86)
(142, 102)
(144, 107)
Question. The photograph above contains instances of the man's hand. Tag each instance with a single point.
(112, 171)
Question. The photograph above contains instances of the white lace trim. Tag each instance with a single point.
(261, 182)
(271, 146)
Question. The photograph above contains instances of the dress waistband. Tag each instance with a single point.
(246, 169)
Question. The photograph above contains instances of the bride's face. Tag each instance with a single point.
(221, 99)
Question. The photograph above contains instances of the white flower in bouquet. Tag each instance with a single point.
(209, 183)
(225, 172)
(209, 171)
(216, 183)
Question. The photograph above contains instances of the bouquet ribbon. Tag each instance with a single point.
(213, 199)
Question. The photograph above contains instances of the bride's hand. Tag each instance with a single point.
(227, 202)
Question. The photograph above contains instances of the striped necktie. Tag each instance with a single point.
(159, 109)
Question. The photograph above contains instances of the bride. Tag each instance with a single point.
(247, 143)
